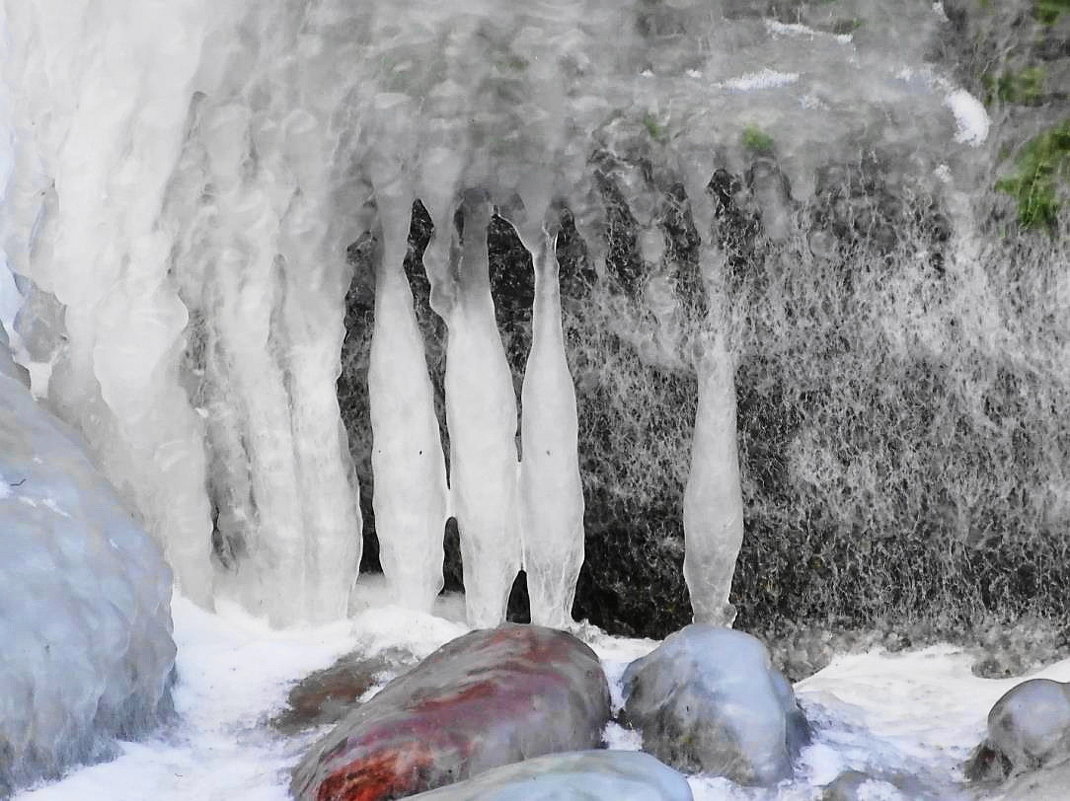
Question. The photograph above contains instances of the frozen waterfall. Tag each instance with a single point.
(182, 179)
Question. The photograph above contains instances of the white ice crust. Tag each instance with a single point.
(84, 601)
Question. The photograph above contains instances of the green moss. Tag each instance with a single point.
(1042, 165)
(654, 127)
(845, 26)
(1048, 11)
(756, 140)
(1025, 87)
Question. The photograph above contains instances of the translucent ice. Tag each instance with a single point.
(713, 502)
(482, 419)
(551, 495)
(410, 471)
(84, 601)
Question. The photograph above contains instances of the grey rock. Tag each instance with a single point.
(708, 699)
(1029, 727)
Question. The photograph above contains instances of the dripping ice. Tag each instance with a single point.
(184, 179)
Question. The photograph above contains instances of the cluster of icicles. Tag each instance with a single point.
(510, 515)
(183, 181)
(183, 178)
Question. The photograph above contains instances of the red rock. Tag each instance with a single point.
(486, 699)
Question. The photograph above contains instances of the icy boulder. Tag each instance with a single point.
(581, 776)
(1028, 727)
(85, 594)
(8, 367)
(707, 699)
(489, 698)
(854, 785)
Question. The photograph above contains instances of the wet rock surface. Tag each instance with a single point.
(581, 776)
(328, 695)
(489, 698)
(707, 700)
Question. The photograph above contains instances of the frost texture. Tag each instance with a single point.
(84, 601)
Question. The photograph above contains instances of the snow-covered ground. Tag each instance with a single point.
(916, 714)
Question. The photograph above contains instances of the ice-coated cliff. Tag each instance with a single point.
(182, 180)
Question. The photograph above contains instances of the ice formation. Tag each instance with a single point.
(84, 601)
(551, 495)
(411, 494)
(713, 502)
(183, 179)
(482, 418)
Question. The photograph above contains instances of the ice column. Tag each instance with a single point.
(481, 416)
(713, 500)
(312, 241)
(100, 109)
(551, 494)
(410, 472)
(248, 286)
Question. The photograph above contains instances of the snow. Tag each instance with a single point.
(797, 29)
(763, 79)
(971, 119)
(917, 713)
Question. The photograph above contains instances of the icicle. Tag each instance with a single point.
(551, 494)
(481, 416)
(316, 279)
(272, 578)
(410, 472)
(713, 501)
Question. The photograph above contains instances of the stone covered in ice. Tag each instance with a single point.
(707, 699)
(489, 698)
(1027, 728)
(581, 776)
(85, 595)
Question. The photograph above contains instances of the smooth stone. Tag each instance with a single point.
(489, 698)
(580, 776)
(1029, 727)
(708, 700)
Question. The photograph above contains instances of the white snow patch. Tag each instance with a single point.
(620, 738)
(797, 29)
(763, 79)
(971, 119)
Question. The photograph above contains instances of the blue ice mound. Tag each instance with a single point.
(577, 776)
(708, 700)
(85, 616)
